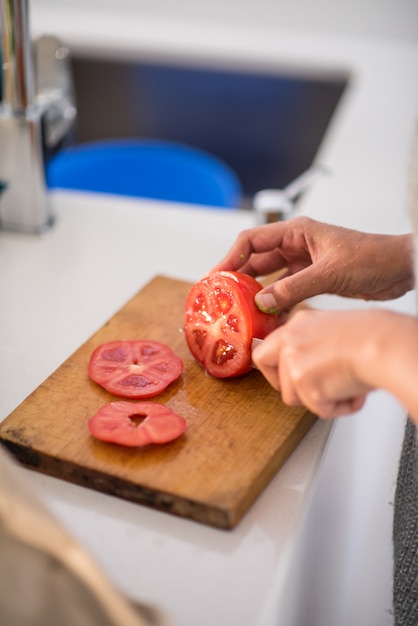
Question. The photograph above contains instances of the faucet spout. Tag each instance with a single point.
(18, 88)
(37, 112)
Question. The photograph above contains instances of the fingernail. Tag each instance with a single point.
(266, 303)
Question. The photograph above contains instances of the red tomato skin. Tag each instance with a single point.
(112, 423)
(220, 310)
(134, 369)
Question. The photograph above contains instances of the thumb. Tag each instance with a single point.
(290, 290)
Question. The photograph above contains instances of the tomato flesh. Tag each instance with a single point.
(222, 319)
(134, 369)
(117, 422)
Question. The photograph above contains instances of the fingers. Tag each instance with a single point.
(321, 258)
(283, 380)
(291, 290)
(265, 263)
(314, 398)
(239, 254)
(256, 251)
(264, 358)
(295, 362)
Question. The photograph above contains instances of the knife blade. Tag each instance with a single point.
(254, 343)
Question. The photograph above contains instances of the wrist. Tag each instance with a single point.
(388, 355)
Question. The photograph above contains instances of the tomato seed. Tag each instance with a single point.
(223, 301)
(199, 336)
(232, 323)
(223, 352)
(118, 355)
(135, 381)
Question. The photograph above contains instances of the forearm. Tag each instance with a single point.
(387, 358)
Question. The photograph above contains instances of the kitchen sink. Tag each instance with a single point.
(265, 123)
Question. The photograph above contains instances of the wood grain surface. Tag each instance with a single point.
(239, 432)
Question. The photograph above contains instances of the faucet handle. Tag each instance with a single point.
(278, 204)
(54, 91)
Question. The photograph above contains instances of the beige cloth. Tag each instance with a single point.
(46, 577)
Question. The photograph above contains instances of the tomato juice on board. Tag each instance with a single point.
(222, 319)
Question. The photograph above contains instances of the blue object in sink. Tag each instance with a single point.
(146, 168)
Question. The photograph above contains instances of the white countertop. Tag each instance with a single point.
(56, 290)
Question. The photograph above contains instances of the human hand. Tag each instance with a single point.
(313, 360)
(321, 258)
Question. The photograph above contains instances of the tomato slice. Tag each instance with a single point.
(134, 369)
(116, 422)
(221, 321)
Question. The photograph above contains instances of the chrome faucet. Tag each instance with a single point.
(37, 114)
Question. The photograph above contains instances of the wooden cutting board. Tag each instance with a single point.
(239, 432)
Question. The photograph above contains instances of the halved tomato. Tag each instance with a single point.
(117, 422)
(134, 369)
(221, 321)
